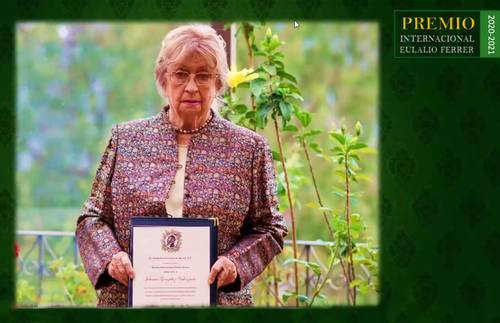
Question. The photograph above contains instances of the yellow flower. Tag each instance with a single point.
(235, 78)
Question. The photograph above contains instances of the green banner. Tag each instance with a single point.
(447, 33)
(490, 34)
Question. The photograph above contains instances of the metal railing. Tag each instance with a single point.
(29, 262)
(36, 258)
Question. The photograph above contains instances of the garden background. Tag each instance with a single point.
(74, 81)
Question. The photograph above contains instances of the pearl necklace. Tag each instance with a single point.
(191, 131)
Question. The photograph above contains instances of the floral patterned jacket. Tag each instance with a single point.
(229, 174)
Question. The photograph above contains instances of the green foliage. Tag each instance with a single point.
(297, 180)
(291, 295)
(275, 95)
(350, 230)
(275, 91)
(74, 282)
(309, 264)
(25, 293)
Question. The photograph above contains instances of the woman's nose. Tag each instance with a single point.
(191, 85)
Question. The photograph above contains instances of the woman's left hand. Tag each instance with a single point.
(225, 271)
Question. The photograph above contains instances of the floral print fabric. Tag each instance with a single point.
(229, 174)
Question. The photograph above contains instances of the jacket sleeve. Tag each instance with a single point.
(95, 225)
(264, 228)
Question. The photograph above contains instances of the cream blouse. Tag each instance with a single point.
(175, 197)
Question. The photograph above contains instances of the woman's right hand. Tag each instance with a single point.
(120, 268)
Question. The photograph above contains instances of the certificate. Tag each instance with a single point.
(172, 258)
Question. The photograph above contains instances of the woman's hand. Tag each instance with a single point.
(225, 271)
(120, 268)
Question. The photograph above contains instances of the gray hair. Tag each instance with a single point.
(188, 39)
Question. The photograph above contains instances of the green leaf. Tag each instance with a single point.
(326, 209)
(357, 146)
(290, 86)
(285, 111)
(338, 136)
(313, 205)
(351, 140)
(338, 150)
(257, 85)
(274, 43)
(291, 260)
(290, 127)
(287, 76)
(353, 162)
(281, 189)
(302, 298)
(316, 206)
(276, 155)
(250, 114)
(270, 69)
(299, 138)
(261, 115)
(355, 282)
(304, 117)
(296, 96)
(279, 65)
(315, 146)
(354, 156)
(357, 223)
(241, 108)
(278, 55)
(286, 295)
(312, 132)
(338, 224)
(316, 268)
(258, 52)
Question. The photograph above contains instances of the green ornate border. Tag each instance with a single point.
(439, 166)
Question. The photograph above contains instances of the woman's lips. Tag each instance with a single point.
(191, 103)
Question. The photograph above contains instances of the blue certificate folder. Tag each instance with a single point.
(211, 223)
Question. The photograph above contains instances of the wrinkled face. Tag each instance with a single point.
(191, 85)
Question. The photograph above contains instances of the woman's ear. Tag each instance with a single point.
(218, 84)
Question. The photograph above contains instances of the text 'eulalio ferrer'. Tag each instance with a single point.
(435, 34)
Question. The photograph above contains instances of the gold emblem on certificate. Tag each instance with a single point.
(171, 241)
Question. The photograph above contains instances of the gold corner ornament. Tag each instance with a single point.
(216, 221)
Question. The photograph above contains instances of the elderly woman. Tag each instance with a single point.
(186, 161)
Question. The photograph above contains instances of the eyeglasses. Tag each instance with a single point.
(181, 77)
